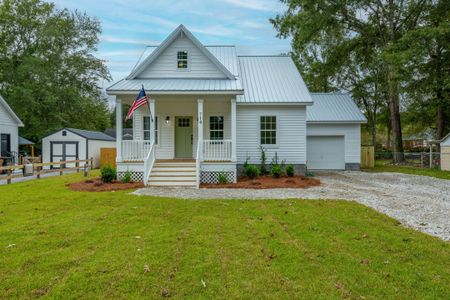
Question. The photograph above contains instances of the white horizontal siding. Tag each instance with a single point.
(165, 66)
(351, 133)
(94, 149)
(291, 139)
(58, 137)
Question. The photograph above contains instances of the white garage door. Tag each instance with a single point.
(325, 153)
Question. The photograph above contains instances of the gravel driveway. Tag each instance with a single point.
(417, 201)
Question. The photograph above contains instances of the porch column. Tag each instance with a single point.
(200, 121)
(152, 119)
(233, 130)
(118, 130)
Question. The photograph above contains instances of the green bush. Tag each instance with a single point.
(275, 171)
(126, 177)
(290, 170)
(108, 174)
(263, 168)
(251, 171)
(222, 178)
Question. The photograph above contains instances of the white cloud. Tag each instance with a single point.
(121, 40)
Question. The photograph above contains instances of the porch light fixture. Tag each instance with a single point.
(167, 119)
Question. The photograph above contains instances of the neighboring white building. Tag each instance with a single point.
(9, 132)
(211, 110)
(75, 144)
(445, 153)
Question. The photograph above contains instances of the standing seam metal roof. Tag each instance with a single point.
(334, 107)
(271, 79)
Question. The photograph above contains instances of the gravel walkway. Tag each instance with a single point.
(417, 201)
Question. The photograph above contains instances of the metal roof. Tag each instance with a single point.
(156, 86)
(91, 135)
(24, 141)
(334, 107)
(10, 111)
(271, 79)
(227, 57)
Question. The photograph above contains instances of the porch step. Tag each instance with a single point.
(173, 173)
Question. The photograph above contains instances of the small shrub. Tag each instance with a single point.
(275, 171)
(222, 178)
(251, 171)
(108, 174)
(126, 177)
(290, 170)
(263, 168)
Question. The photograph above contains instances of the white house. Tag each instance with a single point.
(210, 110)
(75, 144)
(9, 132)
(445, 153)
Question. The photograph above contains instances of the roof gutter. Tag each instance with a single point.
(174, 92)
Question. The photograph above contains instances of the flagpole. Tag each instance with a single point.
(149, 108)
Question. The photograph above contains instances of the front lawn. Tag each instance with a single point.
(386, 166)
(59, 243)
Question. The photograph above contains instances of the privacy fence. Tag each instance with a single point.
(420, 159)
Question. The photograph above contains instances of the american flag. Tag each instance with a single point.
(141, 99)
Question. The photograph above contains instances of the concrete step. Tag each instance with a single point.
(172, 178)
(174, 169)
(171, 183)
(175, 164)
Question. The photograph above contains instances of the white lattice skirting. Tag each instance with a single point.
(213, 176)
(135, 176)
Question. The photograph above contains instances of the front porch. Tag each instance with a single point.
(178, 132)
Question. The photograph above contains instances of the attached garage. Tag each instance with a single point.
(74, 144)
(333, 132)
(325, 152)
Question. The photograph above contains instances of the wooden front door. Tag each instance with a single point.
(184, 138)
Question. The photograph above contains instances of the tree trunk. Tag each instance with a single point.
(394, 113)
(440, 120)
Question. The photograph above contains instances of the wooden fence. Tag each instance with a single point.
(367, 157)
(38, 169)
(108, 157)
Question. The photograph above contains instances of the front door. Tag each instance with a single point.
(183, 137)
(64, 151)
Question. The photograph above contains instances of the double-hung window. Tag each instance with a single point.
(182, 60)
(268, 130)
(216, 128)
(147, 128)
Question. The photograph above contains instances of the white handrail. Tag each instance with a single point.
(149, 162)
(217, 150)
(135, 150)
(197, 162)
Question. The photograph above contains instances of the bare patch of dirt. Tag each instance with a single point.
(96, 185)
(267, 182)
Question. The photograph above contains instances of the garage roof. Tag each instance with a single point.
(334, 107)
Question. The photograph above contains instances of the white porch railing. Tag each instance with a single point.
(136, 150)
(217, 150)
(149, 162)
(198, 159)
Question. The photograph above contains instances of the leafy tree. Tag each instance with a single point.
(355, 26)
(48, 72)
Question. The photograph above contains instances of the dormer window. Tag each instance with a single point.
(182, 59)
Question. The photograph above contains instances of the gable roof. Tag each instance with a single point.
(445, 138)
(272, 79)
(24, 141)
(166, 43)
(334, 107)
(127, 133)
(91, 135)
(8, 109)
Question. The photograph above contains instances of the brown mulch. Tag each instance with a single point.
(268, 182)
(96, 185)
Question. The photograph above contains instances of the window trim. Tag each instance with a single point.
(188, 60)
(209, 126)
(157, 129)
(277, 130)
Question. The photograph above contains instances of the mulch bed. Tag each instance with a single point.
(267, 182)
(96, 185)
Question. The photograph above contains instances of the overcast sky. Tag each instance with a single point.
(129, 25)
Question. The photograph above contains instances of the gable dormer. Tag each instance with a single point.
(181, 55)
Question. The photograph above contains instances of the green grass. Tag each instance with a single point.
(385, 166)
(84, 245)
